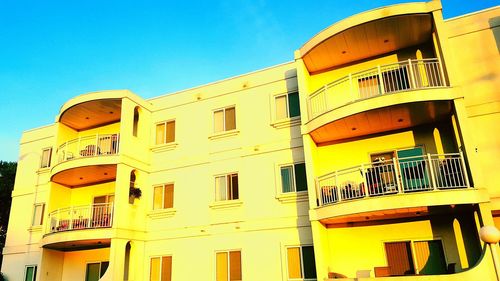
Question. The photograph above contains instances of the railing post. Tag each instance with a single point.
(96, 144)
(412, 76)
(337, 187)
(381, 80)
(66, 151)
(325, 98)
(464, 168)
(89, 212)
(431, 168)
(397, 175)
(308, 101)
(351, 89)
(365, 186)
(112, 214)
(71, 218)
(441, 72)
(78, 145)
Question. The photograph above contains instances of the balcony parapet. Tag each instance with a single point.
(408, 75)
(80, 217)
(431, 172)
(89, 146)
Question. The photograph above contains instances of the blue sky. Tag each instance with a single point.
(51, 51)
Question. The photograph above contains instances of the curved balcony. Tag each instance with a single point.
(409, 75)
(410, 184)
(79, 227)
(87, 160)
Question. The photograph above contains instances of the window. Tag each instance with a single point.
(96, 270)
(163, 197)
(228, 266)
(226, 187)
(429, 257)
(293, 178)
(165, 132)
(38, 214)
(287, 106)
(46, 155)
(30, 273)
(161, 269)
(224, 119)
(301, 263)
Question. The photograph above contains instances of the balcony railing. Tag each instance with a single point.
(81, 217)
(89, 146)
(403, 175)
(390, 78)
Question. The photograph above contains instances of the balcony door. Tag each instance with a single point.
(413, 169)
(102, 210)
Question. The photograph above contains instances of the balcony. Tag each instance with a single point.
(89, 146)
(431, 172)
(409, 75)
(80, 217)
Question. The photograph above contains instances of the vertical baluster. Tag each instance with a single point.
(397, 175)
(339, 197)
(412, 75)
(362, 188)
(431, 168)
(381, 81)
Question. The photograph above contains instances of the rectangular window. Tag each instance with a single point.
(287, 106)
(228, 266)
(165, 132)
(46, 156)
(226, 187)
(293, 178)
(38, 214)
(429, 257)
(225, 119)
(301, 263)
(163, 197)
(161, 269)
(96, 270)
(30, 273)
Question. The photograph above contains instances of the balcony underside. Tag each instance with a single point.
(91, 114)
(378, 120)
(397, 206)
(85, 175)
(79, 245)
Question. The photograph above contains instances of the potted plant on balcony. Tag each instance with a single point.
(134, 192)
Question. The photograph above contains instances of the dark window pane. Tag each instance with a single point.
(300, 177)
(309, 262)
(93, 271)
(30, 273)
(170, 131)
(286, 179)
(230, 119)
(104, 267)
(166, 268)
(234, 187)
(293, 104)
(168, 201)
(235, 265)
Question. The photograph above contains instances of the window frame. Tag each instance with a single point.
(303, 278)
(229, 262)
(35, 268)
(49, 160)
(224, 129)
(294, 183)
(226, 175)
(40, 223)
(100, 267)
(161, 262)
(165, 122)
(287, 103)
(163, 185)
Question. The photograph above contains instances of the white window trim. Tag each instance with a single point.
(26, 271)
(162, 198)
(301, 262)
(49, 164)
(165, 145)
(293, 196)
(42, 218)
(161, 261)
(229, 265)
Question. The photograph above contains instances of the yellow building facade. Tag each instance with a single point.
(370, 156)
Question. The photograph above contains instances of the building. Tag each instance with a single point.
(372, 154)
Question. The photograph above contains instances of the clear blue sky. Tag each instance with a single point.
(51, 51)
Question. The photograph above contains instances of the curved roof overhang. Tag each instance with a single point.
(369, 34)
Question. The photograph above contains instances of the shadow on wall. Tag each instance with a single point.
(495, 28)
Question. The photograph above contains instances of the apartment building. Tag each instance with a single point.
(370, 156)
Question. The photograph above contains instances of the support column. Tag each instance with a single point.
(116, 267)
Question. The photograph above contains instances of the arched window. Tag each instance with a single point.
(136, 121)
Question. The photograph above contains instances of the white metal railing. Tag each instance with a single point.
(402, 175)
(383, 79)
(81, 217)
(89, 146)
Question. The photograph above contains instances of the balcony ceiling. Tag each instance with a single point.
(79, 245)
(87, 175)
(365, 40)
(92, 114)
(384, 119)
